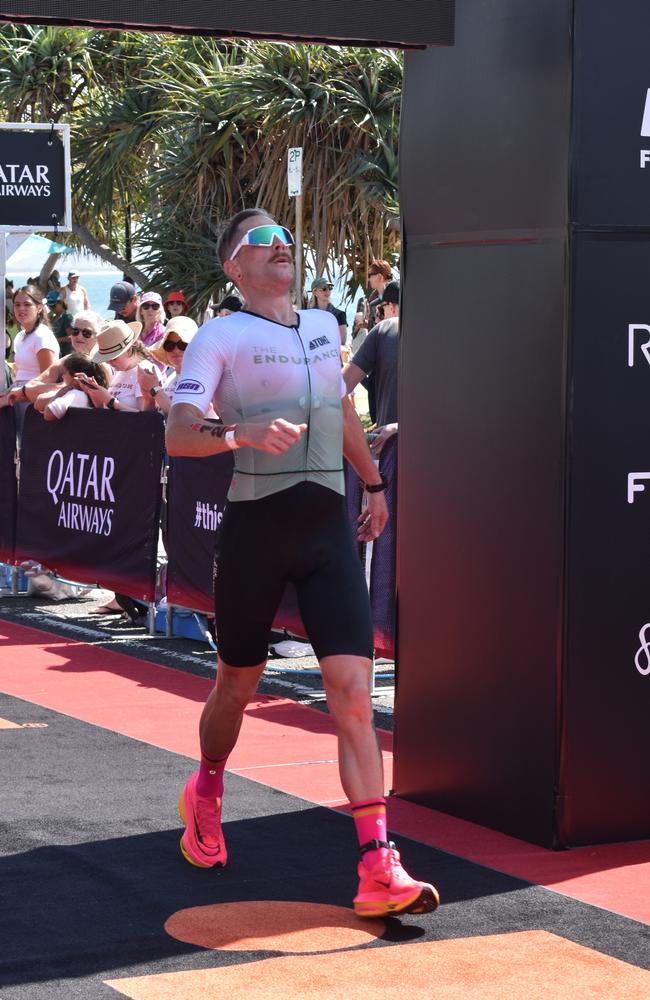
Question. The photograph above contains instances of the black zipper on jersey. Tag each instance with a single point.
(310, 392)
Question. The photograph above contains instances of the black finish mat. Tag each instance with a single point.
(90, 868)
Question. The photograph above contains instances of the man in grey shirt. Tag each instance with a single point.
(379, 353)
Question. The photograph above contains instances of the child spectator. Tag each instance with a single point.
(76, 369)
(119, 346)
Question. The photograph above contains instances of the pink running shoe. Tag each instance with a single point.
(202, 844)
(386, 889)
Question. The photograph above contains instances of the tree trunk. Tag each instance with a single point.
(101, 250)
(46, 271)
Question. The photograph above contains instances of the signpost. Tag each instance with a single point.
(34, 187)
(294, 182)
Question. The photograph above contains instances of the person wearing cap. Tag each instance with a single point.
(176, 305)
(74, 295)
(124, 301)
(151, 315)
(62, 321)
(321, 290)
(118, 344)
(178, 334)
(228, 305)
(379, 354)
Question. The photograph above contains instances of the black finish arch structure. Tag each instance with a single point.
(524, 690)
(418, 23)
(524, 660)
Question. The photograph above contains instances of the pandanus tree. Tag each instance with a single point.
(172, 135)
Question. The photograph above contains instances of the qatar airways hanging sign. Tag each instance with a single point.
(34, 178)
(89, 500)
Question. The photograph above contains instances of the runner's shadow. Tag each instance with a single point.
(99, 907)
(83, 658)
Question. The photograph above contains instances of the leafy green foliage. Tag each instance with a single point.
(171, 135)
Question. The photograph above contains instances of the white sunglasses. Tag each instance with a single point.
(263, 236)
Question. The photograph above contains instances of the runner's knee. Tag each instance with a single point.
(237, 685)
(350, 703)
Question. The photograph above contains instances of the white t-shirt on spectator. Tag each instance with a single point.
(125, 386)
(26, 348)
(73, 398)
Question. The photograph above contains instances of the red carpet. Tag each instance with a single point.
(292, 748)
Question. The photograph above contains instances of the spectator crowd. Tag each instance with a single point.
(64, 355)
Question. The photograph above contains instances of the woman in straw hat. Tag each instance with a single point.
(118, 345)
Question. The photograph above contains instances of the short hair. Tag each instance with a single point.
(91, 317)
(229, 231)
(384, 268)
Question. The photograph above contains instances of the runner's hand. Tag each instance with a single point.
(275, 438)
(373, 518)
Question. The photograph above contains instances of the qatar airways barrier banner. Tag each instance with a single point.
(7, 483)
(196, 498)
(89, 505)
(89, 509)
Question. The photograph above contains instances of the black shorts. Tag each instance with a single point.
(302, 534)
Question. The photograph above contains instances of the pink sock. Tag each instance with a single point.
(209, 783)
(370, 821)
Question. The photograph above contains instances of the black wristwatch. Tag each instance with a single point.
(154, 391)
(378, 487)
(111, 403)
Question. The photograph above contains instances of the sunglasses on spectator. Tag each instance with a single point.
(82, 331)
(263, 236)
(169, 345)
(150, 305)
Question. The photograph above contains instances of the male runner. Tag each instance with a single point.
(274, 376)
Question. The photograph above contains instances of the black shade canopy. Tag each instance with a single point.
(414, 24)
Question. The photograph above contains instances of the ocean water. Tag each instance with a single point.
(97, 283)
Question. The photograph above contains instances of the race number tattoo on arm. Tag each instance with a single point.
(211, 428)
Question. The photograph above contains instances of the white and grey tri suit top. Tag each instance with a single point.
(255, 370)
